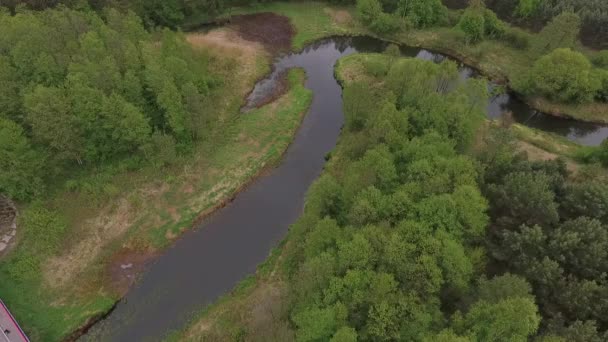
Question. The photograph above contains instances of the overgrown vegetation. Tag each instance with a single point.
(115, 137)
(163, 13)
(416, 232)
(256, 140)
(394, 242)
(536, 13)
(81, 91)
(546, 227)
(477, 36)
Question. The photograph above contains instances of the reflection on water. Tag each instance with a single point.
(581, 132)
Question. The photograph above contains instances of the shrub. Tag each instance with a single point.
(20, 165)
(368, 10)
(601, 59)
(602, 153)
(377, 67)
(527, 8)
(392, 50)
(385, 24)
(561, 32)
(564, 75)
(161, 150)
(472, 24)
(43, 228)
(517, 39)
(602, 93)
(423, 13)
(493, 27)
(453, 17)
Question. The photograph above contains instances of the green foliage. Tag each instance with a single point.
(503, 287)
(390, 228)
(160, 150)
(368, 10)
(472, 23)
(20, 165)
(601, 59)
(43, 230)
(593, 17)
(602, 93)
(164, 13)
(532, 13)
(385, 24)
(479, 23)
(513, 319)
(345, 334)
(419, 86)
(561, 32)
(526, 197)
(493, 27)
(423, 13)
(564, 75)
(527, 8)
(316, 324)
(392, 50)
(89, 90)
(517, 38)
(586, 199)
(552, 232)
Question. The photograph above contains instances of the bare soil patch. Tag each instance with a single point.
(340, 17)
(271, 30)
(280, 88)
(124, 267)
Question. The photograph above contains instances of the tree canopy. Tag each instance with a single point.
(83, 89)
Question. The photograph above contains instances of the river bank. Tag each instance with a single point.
(111, 239)
(258, 307)
(301, 39)
(494, 59)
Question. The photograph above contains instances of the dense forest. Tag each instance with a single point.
(536, 13)
(420, 232)
(560, 72)
(169, 13)
(526, 13)
(81, 89)
(428, 223)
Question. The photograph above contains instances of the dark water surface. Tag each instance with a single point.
(581, 132)
(208, 261)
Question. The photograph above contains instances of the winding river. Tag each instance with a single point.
(210, 260)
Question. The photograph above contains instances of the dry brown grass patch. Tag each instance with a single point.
(536, 153)
(339, 16)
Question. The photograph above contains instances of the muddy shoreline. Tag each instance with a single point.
(203, 217)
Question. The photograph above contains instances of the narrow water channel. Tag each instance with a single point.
(208, 261)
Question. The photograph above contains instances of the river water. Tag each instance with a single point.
(211, 259)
